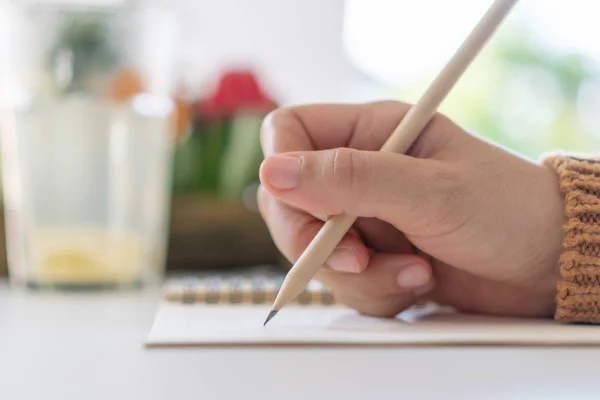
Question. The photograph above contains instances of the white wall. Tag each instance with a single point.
(296, 45)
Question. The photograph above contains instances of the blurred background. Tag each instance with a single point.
(535, 88)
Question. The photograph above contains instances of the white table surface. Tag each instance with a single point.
(90, 346)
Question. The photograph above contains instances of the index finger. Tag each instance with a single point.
(329, 126)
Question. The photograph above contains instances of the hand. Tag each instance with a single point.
(457, 220)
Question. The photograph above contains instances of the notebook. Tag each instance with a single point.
(255, 286)
(230, 311)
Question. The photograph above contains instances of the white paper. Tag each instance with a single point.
(183, 324)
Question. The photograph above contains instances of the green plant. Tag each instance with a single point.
(84, 48)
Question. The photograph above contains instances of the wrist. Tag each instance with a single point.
(540, 245)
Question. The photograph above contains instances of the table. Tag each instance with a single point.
(87, 346)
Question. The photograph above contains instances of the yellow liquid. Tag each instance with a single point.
(85, 256)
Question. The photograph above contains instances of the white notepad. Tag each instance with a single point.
(203, 325)
(210, 310)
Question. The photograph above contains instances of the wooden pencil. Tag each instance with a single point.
(321, 247)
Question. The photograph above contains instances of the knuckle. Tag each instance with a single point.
(347, 166)
(275, 122)
(439, 119)
(266, 127)
(275, 117)
(439, 125)
(439, 133)
(262, 201)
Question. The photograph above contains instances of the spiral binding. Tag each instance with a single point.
(239, 289)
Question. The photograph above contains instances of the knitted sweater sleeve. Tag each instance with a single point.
(578, 291)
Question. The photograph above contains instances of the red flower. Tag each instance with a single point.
(236, 91)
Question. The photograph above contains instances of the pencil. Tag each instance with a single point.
(332, 232)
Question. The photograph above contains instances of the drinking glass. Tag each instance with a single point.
(86, 128)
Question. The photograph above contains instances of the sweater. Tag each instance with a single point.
(578, 290)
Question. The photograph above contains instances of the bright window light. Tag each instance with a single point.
(400, 41)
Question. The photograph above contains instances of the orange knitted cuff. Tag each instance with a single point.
(578, 297)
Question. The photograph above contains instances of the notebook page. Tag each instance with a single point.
(181, 324)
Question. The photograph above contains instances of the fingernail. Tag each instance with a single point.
(284, 172)
(413, 276)
(343, 260)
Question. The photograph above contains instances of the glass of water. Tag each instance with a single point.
(86, 127)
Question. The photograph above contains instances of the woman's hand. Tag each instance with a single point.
(456, 220)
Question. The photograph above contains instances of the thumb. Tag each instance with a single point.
(383, 185)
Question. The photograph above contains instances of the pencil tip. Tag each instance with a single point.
(271, 315)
